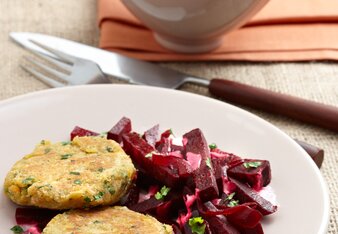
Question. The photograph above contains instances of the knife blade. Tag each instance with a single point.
(140, 72)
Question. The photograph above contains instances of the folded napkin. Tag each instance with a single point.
(284, 30)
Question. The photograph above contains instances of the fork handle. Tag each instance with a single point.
(307, 111)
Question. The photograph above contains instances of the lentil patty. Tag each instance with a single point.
(108, 220)
(86, 172)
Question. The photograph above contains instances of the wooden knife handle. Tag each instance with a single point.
(315, 153)
(306, 111)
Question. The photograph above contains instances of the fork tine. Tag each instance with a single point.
(43, 78)
(67, 58)
(52, 71)
(54, 61)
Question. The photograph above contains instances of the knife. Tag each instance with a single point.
(141, 72)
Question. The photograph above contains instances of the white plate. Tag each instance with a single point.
(301, 192)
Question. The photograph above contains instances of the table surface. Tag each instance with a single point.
(76, 20)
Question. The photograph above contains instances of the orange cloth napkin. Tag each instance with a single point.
(284, 30)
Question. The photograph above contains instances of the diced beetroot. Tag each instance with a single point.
(256, 177)
(204, 178)
(147, 206)
(183, 167)
(165, 135)
(245, 217)
(138, 149)
(132, 197)
(32, 230)
(218, 223)
(228, 187)
(165, 145)
(255, 230)
(123, 126)
(152, 135)
(145, 195)
(246, 194)
(34, 216)
(78, 131)
(194, 160)
(164, 211)
(225, 158)
(176, 229)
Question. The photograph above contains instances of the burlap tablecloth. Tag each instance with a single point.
(76, 20)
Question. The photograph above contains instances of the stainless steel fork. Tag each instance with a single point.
(75, 71)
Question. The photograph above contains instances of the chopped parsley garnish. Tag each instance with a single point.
(149, 155)
(98, 196)
(42, 142)
(252, 164)
(66, 143)
(162, 193)
(197, 225)
(66, 156)
(96, 221)
(171, 132)
(109, 149)
(233, 203)
(212, 146)
(109, 187)
(74, 173)
(17, 229)
(208, 162)
(100, 169)
(77, 182)
(87, 199)
(103, 134)
(230, 196)
(47, 150)
(28, 180)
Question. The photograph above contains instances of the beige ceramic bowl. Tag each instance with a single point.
(193, 26)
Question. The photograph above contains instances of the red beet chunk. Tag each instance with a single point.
(123, 126)
(255, 230)
(132, 197)
(34, 216)
(78, 131)
(152, 135)
(203, 177)
(246, 194)
(245, 217)
(138, 149)
(183, 167)
(147, 206)
(218, 223)
(256, 177)
(140, 152)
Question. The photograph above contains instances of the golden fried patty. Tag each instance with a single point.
(110, 220)
(85, 172)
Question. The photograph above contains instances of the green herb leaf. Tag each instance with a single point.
(233, 203)
(98, 196)
(212, 146)
(149, 155)
(109, 149)
(17, 229)
(77, 182)
(208, 162)
(100, 169)
(103, 134)
(252, 164)
(66, 143)
(197, 225)
(171, 132)
(87, 199)
(66, 156)
(42, 142)
(74, 173)
(230, 196)
(162, 193)
(96, 221)
(47, 150)
(28, 180)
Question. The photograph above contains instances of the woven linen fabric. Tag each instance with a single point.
(77, 20)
